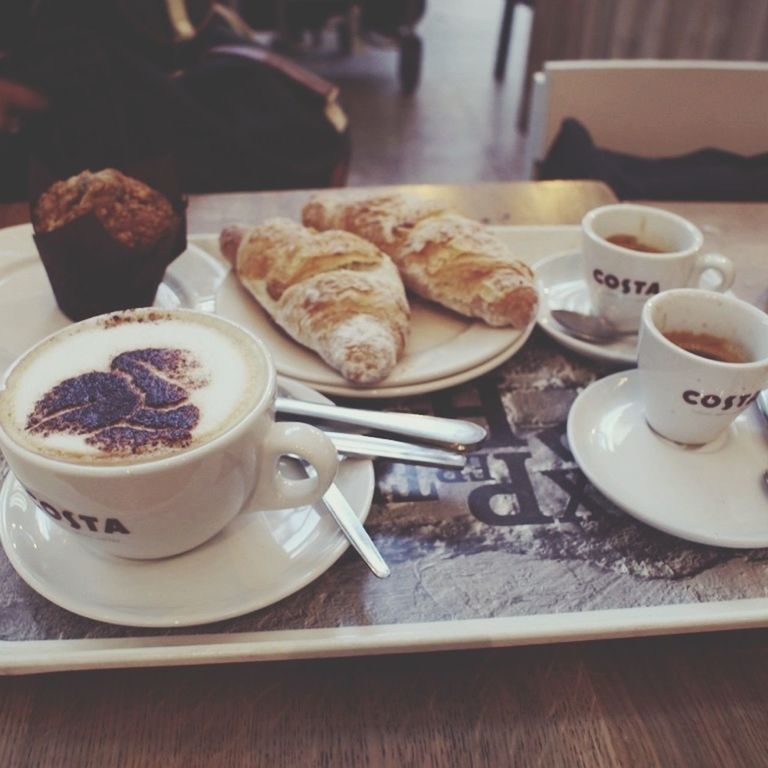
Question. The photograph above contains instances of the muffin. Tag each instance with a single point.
(128, 209)
(105, 240)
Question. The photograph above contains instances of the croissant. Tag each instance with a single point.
(441, 255)
(331, 291)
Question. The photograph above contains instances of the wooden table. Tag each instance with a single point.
(691, 700)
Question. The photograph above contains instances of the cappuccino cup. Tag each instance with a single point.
(632, 252)
(702, 359)
(145, 432)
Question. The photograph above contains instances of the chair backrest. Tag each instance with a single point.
(566, 30)
(725, 30)
(652, 108)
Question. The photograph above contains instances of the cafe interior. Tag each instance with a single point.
(385, 383)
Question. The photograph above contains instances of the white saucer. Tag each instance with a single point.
(710, 495)
(28, 310)
(561, 285)
(255, 561)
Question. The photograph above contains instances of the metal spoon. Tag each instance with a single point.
(762, 406)
(459, 434)
(346, 518)
(365, 446)
(590, 328)
(352, 528)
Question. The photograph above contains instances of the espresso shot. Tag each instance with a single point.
(709, 346)
(634, 243)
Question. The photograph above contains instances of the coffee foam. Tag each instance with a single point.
(186, 378)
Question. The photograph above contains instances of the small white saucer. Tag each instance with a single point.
(561, 285)
(710, 495)
(258, 559)
(28, 310)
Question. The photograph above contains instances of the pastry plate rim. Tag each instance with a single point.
(499, 343)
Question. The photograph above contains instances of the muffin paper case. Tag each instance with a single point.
(90, 271)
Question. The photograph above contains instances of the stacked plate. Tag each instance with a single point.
(444, 349)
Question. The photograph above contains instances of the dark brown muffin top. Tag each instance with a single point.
(129, 210)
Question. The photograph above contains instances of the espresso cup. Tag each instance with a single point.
(145, 432)
(702, 359)
(621, 278)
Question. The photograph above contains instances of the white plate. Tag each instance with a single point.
(258, 559)
(711, 495)
(560, 285)
(434, 385)
(440, 345)
(445, 349)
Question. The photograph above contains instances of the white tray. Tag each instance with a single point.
(498, 585)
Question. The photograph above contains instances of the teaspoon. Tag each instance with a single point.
(762, 406)
(590, 328)
(352, 528)
(459, 434)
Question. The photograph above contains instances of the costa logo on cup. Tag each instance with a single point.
(719, 402)
(109, 525)
(625, 285)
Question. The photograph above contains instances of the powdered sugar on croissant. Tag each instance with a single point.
(380, 219)
(332, 291)
(441, 255)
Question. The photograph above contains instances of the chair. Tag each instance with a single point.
(725, 30)
(652, 108)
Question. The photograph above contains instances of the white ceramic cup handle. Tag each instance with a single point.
(721, 264)
(276, 491)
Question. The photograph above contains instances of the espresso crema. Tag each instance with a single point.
(132, 386)
(633, 242)
(709, 346)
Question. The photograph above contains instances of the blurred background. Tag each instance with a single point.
(292, 94)
(458, 124)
